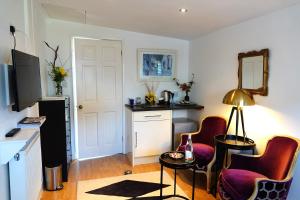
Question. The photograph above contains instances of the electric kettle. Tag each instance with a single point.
(167, 95)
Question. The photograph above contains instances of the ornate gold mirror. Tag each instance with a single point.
(254, 71)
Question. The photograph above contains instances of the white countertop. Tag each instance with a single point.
(9, 146)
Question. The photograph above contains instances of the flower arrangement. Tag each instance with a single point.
(150, 97)
(57, 73)
(185, 87)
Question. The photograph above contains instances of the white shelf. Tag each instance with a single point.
(10, 146)
(53, 98)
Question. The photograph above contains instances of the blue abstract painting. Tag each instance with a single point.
(156, 64)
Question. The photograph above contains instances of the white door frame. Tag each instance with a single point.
(75, 117)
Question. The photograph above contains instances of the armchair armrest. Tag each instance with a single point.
(271, 189)
(184, 137)
(247, 162)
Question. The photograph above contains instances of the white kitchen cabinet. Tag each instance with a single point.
(148, 135)
(151, 137)
(25, 168)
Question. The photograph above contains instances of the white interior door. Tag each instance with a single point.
(99, 97)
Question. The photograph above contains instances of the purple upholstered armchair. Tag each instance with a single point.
(203, 144)
(268, 176)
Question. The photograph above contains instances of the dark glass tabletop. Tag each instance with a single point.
(235, 142)
(173, 163)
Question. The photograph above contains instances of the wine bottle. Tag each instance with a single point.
(189, 149)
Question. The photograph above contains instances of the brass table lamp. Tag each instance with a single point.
(238, 98)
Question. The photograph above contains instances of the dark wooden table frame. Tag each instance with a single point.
(176, 166)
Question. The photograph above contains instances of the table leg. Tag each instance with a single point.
(161, 181)
(174, 181)
(215, 179)
(226, 158)
(220, 156)
(194, 174)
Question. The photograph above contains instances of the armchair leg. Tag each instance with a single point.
(208, 179)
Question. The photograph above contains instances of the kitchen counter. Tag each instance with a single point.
(145, 107)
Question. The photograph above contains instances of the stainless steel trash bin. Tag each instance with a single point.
(53, 176)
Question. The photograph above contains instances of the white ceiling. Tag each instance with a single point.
(161, 17)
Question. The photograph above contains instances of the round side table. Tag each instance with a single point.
(166, 161)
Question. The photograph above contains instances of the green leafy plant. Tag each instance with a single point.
(57, 73)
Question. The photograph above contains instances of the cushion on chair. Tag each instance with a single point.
(239, 184)
(202, 152)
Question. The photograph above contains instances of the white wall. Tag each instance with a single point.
(213, 58)
(39, 23)
(17, 13)
(61, 33)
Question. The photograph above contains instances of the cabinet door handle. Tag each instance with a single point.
(152, 116)
(136, 139)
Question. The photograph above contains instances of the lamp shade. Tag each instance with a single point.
(239, 97)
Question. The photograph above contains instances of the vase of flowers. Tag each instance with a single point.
(185, 87)
(58, 89)
(57, 73)
(150, 97)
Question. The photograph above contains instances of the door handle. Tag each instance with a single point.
(80, 107)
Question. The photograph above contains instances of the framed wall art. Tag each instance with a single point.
(156, 64)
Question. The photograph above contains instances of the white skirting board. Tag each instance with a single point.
(25, 172)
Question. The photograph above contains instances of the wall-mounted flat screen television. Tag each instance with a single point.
(26, 80)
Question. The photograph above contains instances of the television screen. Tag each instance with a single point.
(26, 80)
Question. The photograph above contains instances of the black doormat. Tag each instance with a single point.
(129, 188)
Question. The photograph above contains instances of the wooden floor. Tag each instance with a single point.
(115, 166)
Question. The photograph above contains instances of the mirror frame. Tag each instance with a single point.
(265, 53)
